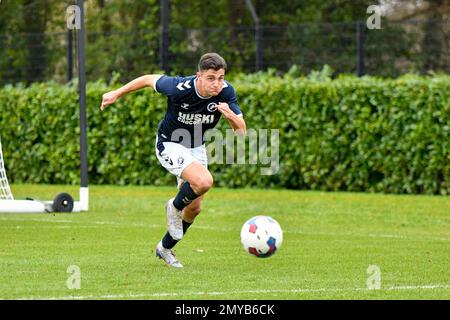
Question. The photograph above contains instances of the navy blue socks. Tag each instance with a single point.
(168, 242)
(184, 196)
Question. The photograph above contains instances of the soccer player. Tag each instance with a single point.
(194, 105)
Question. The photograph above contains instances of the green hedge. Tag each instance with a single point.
(354, 134)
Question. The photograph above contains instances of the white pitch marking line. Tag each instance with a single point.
(220, 293)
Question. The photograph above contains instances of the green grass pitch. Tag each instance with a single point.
(330, 240)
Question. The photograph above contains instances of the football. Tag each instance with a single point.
(261, 236)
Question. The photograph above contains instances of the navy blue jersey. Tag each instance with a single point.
(188, 114)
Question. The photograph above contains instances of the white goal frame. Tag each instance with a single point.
(38, 206)
(11, 205)
(5, 190)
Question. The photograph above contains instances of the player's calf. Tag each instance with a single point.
(193, 210)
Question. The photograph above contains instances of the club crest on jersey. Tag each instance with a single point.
(212, 107)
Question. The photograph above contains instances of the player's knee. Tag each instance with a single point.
(207, 183)
(203, 184)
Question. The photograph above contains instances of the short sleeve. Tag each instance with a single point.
(167, 85)
(231, 99)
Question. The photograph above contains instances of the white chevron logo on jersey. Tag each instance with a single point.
(184, 85)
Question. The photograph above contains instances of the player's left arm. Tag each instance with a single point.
(237, 122)
(231, 111)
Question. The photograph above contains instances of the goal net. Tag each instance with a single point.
(5, 191)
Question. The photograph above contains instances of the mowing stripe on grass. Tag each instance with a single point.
(93, 224)
(224, 293)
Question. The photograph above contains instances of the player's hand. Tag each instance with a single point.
(225, 110)
(109, 98)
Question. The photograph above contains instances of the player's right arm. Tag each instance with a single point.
(136, 84)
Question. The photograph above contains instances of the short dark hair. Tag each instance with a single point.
(211, 60)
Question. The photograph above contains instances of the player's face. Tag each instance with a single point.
(210, 82)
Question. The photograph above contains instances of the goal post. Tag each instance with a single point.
(5, 190)
(63, 202)
(84, 190)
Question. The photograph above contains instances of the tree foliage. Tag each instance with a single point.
(124, 36)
